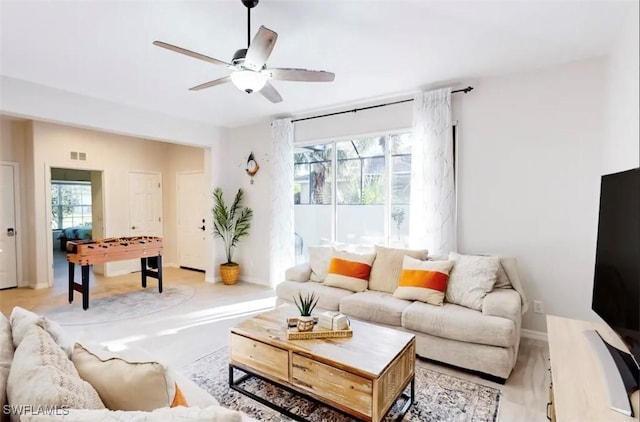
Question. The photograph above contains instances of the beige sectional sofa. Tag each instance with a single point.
(486, 341)
(40, 380)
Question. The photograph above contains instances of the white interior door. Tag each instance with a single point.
(8, 250)
(192, 227)
(145, 201)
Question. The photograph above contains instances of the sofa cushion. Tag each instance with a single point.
(300, 273)
(42, 375)
(387, 267)
(127, 380)
(22, 320)
(6, 356)
(472, 277)
(425, 281)
(349, 271)
(379, 307)
(459, 323)
(176, 414)
(319, 257)
(328, 297)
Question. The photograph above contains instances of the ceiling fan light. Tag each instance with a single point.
(248, 80)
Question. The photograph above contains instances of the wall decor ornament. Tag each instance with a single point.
(252, 166)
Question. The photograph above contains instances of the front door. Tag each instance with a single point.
(8, 250)
(145, 212)
(192, 228)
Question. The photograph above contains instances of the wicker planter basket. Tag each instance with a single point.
(229, 273)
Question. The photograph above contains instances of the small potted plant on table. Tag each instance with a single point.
(305, 305)
(231, 224)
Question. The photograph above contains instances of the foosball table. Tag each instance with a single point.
(88, 252)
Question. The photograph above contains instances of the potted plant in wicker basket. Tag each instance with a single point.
(305, 305)
(230, 224)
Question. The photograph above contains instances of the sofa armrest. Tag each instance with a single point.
(299, 273)
(504, 303)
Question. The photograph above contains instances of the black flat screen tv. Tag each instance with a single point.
(616, 286)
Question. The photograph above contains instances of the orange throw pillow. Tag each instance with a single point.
(349, 271)
(425, 281)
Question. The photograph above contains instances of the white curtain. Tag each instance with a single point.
(281, 232)
(432, 216)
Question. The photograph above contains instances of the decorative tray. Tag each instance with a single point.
(317, 332)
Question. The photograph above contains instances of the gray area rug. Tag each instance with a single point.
(439, 397)
(122, 306)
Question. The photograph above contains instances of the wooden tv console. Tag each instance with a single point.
(578, 391)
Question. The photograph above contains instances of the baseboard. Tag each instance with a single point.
(534, 335)
(252, 280)
(40, 286)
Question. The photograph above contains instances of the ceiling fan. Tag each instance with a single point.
(249, 70)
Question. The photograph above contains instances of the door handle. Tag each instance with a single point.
(11, 231)
(202, 228)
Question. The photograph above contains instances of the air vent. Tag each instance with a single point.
(81, 156)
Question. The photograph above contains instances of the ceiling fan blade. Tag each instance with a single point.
(209, 84)
(270, 93)
(260, 48)
(189, 53)
(301, 75)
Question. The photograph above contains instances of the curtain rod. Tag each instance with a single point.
(464, 90)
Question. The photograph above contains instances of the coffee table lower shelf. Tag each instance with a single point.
(235, 384)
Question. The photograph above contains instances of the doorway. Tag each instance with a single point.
(76, 214)
(145, 212)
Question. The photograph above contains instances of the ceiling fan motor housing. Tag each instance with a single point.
(238, 56)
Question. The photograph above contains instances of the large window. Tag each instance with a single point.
(370, 204)
(70, 204)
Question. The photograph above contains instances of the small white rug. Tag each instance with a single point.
(439, 397)
(122, 306)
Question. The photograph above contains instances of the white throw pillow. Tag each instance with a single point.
(127, 380)
(471, 278)
(174, 414)
(387, 267)
(349, 271)
(319, 257)
(6, 356)
(42, 375)
(22, 321)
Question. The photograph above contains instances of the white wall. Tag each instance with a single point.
(38, 102)
(529, 179)
(621, 151)
(529, 168)
(252, 253)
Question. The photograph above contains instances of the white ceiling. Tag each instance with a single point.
(103, 49)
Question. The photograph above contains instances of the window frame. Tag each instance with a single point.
(387, 175)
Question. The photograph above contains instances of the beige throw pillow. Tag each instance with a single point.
(42, 375)
(471, 278)
(128, 380)
(22, 321)
(387, 267)
(319, 257)
(349, 271)
(6, 356)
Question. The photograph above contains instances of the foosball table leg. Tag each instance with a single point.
(71, 273)
(160, 273)
(143, 271)
(85, 287)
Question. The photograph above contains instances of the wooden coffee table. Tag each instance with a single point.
(361, 376)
